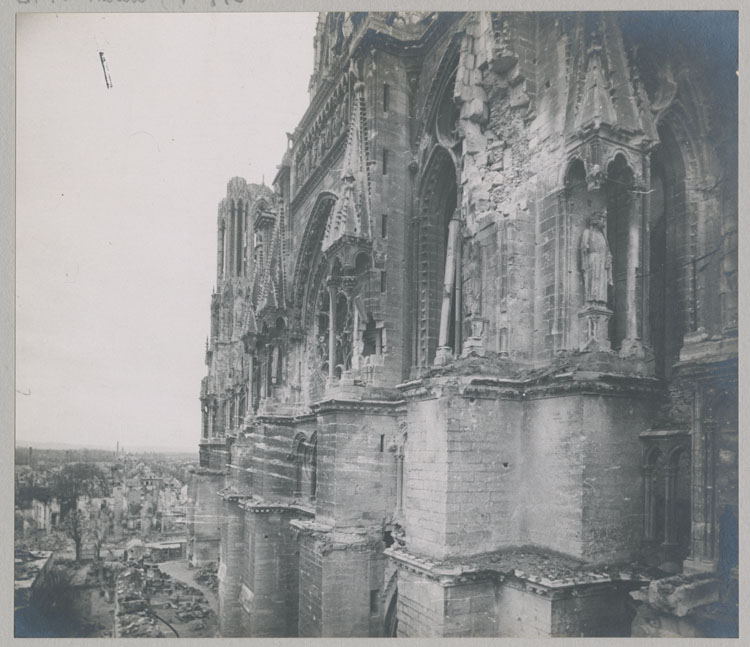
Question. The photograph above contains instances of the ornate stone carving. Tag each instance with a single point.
(596, 260)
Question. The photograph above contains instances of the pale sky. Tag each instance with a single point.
(117, 194)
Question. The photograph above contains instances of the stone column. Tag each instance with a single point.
(648, 496)
(631, 344)
(702, 554)
(645, 270)
(211, 416)
(670, 482)
(444, 351)
(332, 294)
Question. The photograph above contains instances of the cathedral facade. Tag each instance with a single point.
(472, 364)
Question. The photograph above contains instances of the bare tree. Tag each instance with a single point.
(73, 481)
(99, 527)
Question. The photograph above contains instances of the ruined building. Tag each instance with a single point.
(472, 366)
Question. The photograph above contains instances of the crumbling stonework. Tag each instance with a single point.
(489, 303)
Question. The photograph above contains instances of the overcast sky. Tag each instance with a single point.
(117, 194)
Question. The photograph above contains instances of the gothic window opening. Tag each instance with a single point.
(298, 456)
(313, 466)
(204, 410)
(239, 237)
(372, 338)
(438, 205)
(322, 336)
(230, 244)
(242, 409)
(257, 374)
(667, 514)
(344, 329)
(669, 314)
(618, 222)
(268, 357)
(386, 97)
(384, 226)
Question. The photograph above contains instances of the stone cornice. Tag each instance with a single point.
(586, 582)
(546, 386)
(332, 538)
(332, 405)
(264, 507)
(285, 419)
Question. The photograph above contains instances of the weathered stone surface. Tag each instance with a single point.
(402, 351)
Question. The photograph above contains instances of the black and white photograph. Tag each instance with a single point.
(403, 324)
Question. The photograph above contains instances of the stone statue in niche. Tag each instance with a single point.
(595, 260)
(472, 282)
(237, 316)
(472, 300)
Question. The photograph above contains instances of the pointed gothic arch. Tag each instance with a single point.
(438, 201)
(308, 267)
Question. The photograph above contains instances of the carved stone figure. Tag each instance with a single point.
(237, 315)
(596, 260)
(472, 281)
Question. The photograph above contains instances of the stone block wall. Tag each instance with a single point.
(356, 467)
(553, 473)
(603, 611)
(270, 575)
(271, 469)
(310, 589)
(463, 470)
(522, 614)
(425, 478)
(470, 610)
(421, 604)
(583, 481)
(232, 554)
(205, 514)
(612, 512)
(346, 593)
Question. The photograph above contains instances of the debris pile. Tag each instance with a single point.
(132, 612)
(208, 576)
(151, 603)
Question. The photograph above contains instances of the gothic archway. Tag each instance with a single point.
(669, 285)
(437, 205)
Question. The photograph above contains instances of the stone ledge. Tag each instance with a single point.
(501, 566)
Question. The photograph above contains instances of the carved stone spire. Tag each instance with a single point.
(596, 104)
(351, 214)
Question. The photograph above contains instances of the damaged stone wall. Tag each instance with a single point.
(483, 284)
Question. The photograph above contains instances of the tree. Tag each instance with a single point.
(73, 481)
(99, 527)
